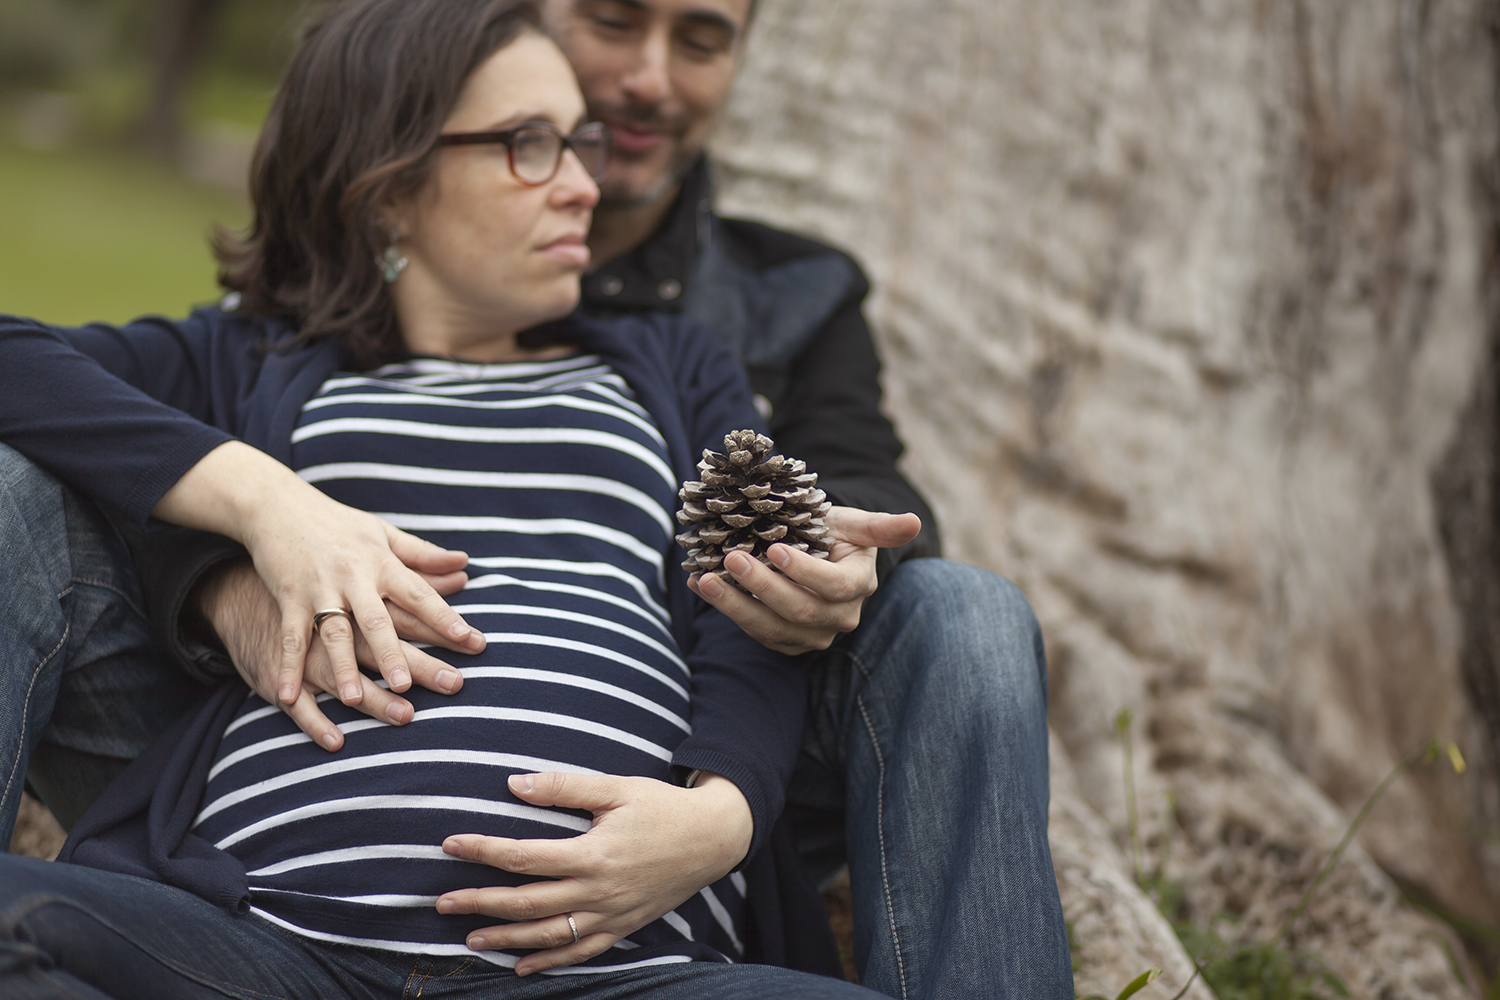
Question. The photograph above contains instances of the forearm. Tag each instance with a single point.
(101, 434)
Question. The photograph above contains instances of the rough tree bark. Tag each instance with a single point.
(1189, 315)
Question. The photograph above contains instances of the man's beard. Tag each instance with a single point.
(677, 168)
(612, 195)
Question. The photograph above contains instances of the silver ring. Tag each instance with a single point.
(573, 925)
(319, 617)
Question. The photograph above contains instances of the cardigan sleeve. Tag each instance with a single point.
(748, 701)
(118, 413)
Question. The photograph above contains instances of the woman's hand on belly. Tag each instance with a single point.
(652, 846)
(316, 554)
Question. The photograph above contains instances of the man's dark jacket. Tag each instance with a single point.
(790, 309)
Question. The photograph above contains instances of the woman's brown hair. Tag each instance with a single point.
(353, 128)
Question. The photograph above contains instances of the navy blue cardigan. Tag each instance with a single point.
(120, 413)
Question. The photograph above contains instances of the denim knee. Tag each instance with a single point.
(976, 629)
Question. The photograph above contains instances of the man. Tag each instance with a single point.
(924, 763)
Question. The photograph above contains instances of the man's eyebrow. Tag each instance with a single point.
(707, 18)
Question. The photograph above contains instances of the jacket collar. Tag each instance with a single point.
(654, 276)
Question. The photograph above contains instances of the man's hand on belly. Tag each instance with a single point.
(652, 846)
(238, 607)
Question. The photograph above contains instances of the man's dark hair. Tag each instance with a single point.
(354, 128)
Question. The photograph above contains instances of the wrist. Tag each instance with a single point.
(729, 815)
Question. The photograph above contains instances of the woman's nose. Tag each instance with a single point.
(573, 187)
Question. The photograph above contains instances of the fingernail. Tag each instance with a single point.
(446, 679)
(288, 693)
(475, 640)
(446, 906)
(349, 692)
(396, 713)
(459, 629)
(522, 783)
(737, 563)
(330, 741)
(710, 587)
(476, 942)
(400, 679)
(781, 555)
(451, 845)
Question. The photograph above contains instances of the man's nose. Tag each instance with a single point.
(649, 81)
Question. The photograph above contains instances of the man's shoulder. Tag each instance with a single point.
(759, 246)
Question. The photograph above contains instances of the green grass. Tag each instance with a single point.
(104, 236)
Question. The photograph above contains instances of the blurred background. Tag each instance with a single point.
(126, 128)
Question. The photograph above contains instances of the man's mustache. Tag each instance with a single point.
(638, 118)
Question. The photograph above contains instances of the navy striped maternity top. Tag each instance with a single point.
(557, 484)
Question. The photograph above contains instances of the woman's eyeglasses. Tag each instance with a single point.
(536, 148)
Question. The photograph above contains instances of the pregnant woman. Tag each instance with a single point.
(422, 191)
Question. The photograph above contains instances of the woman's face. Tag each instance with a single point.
(489, 255)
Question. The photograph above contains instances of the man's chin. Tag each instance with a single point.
(638, 189)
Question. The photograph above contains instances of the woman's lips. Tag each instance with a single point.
(569, 250)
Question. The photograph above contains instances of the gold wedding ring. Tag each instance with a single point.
(319, 617)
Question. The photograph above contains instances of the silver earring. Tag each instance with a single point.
(392, 262)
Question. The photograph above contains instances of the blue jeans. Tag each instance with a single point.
(74, 932)
(82, 691)
(924, 764)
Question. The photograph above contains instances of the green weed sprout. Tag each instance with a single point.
(1260, 970)
(1132, 988)
(1424, 754)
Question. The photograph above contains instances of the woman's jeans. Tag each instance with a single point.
(67, 931)
(924, 763)
(82, 691)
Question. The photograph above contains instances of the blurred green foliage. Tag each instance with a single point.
(89, 228)
(104, 236)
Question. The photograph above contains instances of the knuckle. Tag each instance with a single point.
(523, 908)
(292, 643)
(554, 938)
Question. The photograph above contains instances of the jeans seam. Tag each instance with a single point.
(21, 908)
(885, 878)
(10, 779)
(106, 586)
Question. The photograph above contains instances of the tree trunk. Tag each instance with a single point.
(1189, 316)
(180, 32)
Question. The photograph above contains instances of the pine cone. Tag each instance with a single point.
(748, 500)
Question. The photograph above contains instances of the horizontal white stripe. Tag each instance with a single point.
(722, 916)
(366, 852)
(493, 957)
(388, 900)
(292, 739)
(529, 526)
(603, 652)
(466, 384)
(488, 369)
(336, 471)
(558, 614)
(393, 758)
(587, 684)
(407, 803)
(468, 712)
(552, 719)
(578, 568)
(489, 435)
(494, 581)
(408, 398)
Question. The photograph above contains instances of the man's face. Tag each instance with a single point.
(657, 71)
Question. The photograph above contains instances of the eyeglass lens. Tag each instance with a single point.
(536, 151)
